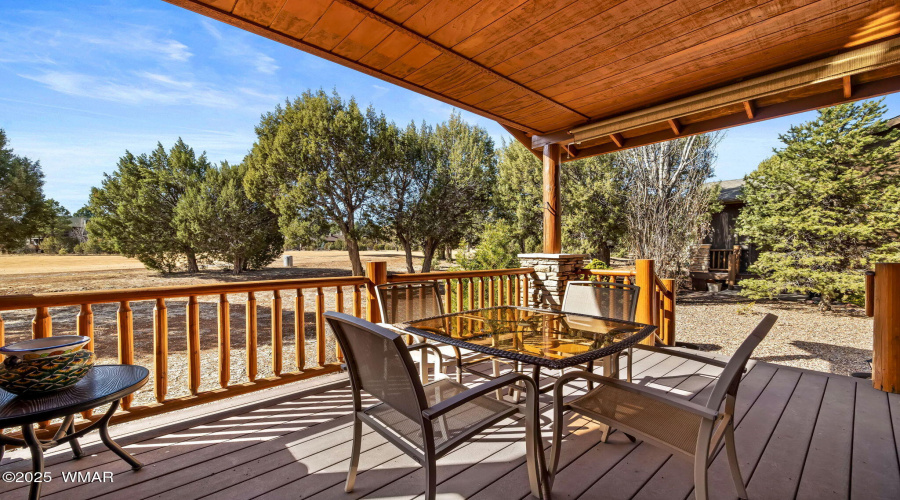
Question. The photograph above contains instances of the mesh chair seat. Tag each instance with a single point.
(671, 425)
(449, 426)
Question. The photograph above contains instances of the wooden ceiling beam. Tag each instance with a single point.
(538, 141)
(523, 138)
(848, 87)
(750, 109)
(676, 126)
(452, 53)
(571, 150)
(617, 139)
(860, 91)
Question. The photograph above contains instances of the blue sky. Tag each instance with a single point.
(82, 81)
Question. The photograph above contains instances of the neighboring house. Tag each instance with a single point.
(77, 231)
(714, 260)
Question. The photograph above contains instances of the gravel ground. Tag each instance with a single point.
(835, 342)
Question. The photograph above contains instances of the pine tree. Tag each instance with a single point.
(826, 206)
(23, 210)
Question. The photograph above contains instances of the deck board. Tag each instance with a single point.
(799, 434)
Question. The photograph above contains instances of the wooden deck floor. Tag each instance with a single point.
(800, 434)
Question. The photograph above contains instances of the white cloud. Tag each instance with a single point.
(236, 47)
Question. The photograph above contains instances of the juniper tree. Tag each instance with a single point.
(826, 206)
(23, 210)
(134, 209)
(315, 163)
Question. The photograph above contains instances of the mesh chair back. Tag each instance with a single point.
(599, 298)
(379, 364)
(409, 301)
(728, 382)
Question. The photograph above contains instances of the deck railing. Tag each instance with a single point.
(656, 307)
(462, 290)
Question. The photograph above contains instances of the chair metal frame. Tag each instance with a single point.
(428, 415)
(717, 420)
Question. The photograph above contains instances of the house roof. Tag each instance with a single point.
(618, 73)
(730, 190)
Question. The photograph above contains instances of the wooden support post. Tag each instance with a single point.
(870, 293)
(645, 279)
(669, 313)
(376, 271)
(552, 222)
(734, 265)
(886, 362)
(42, 324)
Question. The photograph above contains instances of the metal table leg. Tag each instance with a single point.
(37, 461)
(112, 445)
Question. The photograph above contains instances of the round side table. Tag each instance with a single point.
(103, 384)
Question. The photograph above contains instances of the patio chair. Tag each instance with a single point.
(424, 421)
(684, 428)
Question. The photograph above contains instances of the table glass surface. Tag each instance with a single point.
(549, 336)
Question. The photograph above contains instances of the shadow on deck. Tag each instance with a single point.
(800, 434)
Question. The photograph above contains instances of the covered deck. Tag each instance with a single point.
(800, 434)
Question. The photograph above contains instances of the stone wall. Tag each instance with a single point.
(700, 258)
(547, 285)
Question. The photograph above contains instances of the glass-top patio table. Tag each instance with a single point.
(540, 337)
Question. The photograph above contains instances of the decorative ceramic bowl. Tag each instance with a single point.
(42, 348)
(42, 375)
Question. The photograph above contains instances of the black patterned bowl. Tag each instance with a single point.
(38, 376)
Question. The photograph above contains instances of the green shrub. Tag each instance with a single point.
(496, 250)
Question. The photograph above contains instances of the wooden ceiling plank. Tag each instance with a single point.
(553, 27)
(675, 125)
(422, 39)
(437, 68)
(400, 10)
(436, 15)
(636, 14)
(259, 11)
(818, 101)
(333, 27)
(531, 13)
(665, 42)
(226, 5)
(474, 20)
(392, 48)
(239, 22)
(657, 28)
(364, 37)
(297, 17)
(847, 87)
(744, 49)
(417, 57)
(729, 68)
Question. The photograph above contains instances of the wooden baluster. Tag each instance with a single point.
(339, 306)
(42, 324)
(377, 274)
(491, 289)
(125, 330)
(193, 344)
(251, 341)
(481, 292)
(85, 325)
(2, 331)
(518, 285)
(160, 350)
(459, 295)
(510, 300)
(224, 311)
(669, 313)
(277, 340)
(471, 289)
(448, 297)
(527, 298)
(300, 330)
(357, 301)
(320, 327)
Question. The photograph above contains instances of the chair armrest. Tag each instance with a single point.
(480, 390)
(655, 394)
(430, 347)
(685, 355)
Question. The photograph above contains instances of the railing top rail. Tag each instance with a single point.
(444, 275)
(662, 286)
(609, 272)
(58, 299)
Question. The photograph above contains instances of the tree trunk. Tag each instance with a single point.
(604, 253)
(448, 253)
(353, 251)
(192, 262)
(237, 266)
(428, 249)
(407, 249)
